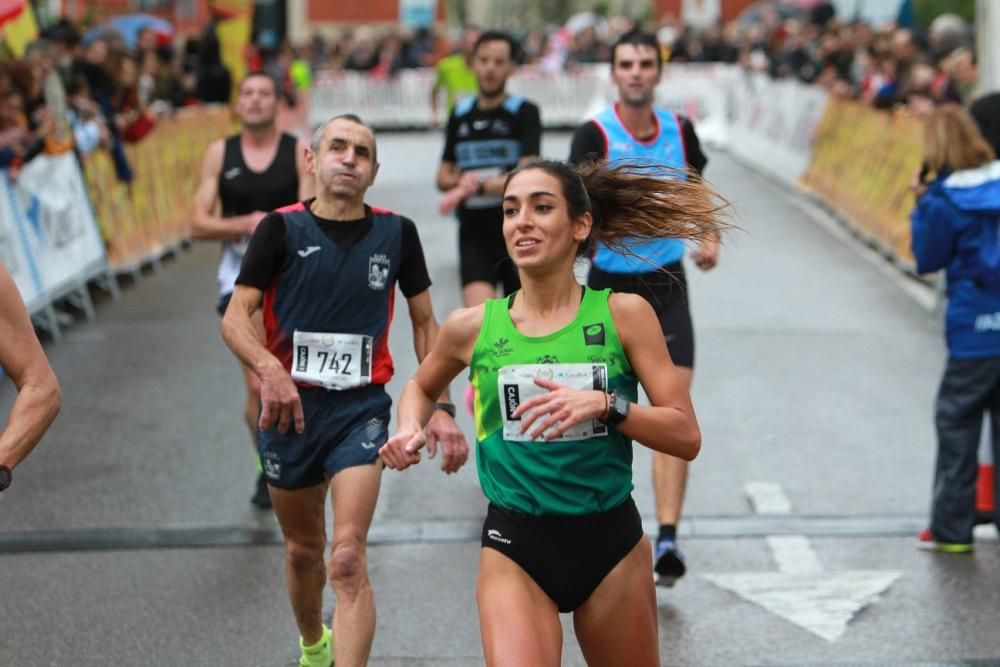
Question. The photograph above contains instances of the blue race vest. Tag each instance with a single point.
(666, 149)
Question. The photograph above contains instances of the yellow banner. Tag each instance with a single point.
(21, 31)
(141, 219)
(862, 163)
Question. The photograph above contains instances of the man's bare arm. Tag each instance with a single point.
(21, 356)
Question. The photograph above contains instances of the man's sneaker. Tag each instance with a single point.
(261, 498)
(319, 654)
(668, 562)
(927, 542)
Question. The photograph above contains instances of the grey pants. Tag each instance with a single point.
(969, 388)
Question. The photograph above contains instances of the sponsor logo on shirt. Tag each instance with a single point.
(310, 250)
(593, 334)
(501, 347)
(230, 174)
(378, 271)
(511, 399)
(480, 124)
(272, 468)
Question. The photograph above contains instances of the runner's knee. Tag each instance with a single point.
(303, 556)
(346, 567)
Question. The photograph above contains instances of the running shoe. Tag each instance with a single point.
(669, 562)
(261, 499)
(926, 542)
(470, 400)
(319, 654)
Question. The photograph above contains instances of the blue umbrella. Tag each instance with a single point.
(129, 26)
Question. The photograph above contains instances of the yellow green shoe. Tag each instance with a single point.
(319, 654)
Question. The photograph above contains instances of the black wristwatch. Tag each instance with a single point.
(5, 477)
(446, 407)
(618, 406)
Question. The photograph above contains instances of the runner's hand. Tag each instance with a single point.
(562, 408)
(403, 449)
(442, 429)
(280, 402)
(706, 255)
(468, 184)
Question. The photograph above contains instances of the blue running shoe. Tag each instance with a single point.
(668, 562)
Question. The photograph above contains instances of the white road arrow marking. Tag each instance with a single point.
(801, 592)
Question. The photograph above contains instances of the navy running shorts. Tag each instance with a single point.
(667, 292)
(342, 429)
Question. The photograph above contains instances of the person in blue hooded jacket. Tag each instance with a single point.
(956, 227)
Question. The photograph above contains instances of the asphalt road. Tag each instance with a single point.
(128, 538)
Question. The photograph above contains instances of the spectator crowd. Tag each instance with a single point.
(885, 66)
(94, 90)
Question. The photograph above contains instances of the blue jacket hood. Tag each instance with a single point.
(975, 190)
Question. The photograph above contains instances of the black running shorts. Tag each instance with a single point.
(482, 251)
(667, 292)
(567, 556)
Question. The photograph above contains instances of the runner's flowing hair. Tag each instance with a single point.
(633, 199)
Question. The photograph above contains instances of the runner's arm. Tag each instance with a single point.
(280, 403)
(668, 424)
(449, 355)
(21, 357)
(307, 184)
(205, 224)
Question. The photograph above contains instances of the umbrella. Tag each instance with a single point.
(130, 25)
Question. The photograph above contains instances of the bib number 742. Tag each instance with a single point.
(333, 361)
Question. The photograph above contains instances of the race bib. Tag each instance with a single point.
(517, 384)
(333, 361)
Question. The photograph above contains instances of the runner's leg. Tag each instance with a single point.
(519, 622)
(300, 515)
(354, 494)
(617, 624)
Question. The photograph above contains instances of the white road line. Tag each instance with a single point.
(767, 498)
(794, 554)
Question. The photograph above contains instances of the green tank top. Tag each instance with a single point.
(588, 471)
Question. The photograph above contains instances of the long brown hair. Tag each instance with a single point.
(952, 141)
(636, 200)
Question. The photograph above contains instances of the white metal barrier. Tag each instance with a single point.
(49, 241)
(565, 99)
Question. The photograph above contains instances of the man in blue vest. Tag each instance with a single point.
(324, 273)
(635, 130)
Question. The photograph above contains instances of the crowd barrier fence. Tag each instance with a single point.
(854, 159)
(63, 228)
(141, 220)
(60, 228)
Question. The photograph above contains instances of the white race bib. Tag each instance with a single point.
(517, 384)
(333, 361)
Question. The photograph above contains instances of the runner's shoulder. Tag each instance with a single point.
(462, 326)
(629, 310)
(215, 154)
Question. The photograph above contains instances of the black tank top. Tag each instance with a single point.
(244, 191)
